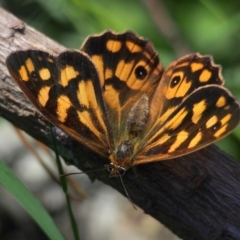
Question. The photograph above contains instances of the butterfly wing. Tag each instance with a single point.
(181, 79)
(129, 70)
(190, 110)
(67, 92)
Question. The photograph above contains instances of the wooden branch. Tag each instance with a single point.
(197, 196)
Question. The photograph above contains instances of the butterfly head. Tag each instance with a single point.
(115, 170)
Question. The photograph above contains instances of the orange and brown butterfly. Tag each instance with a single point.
(114, 97)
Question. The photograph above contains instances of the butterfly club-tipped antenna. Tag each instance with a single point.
(118, 171)
(125, 190)
(76, 173)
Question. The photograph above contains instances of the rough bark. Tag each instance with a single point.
(196, 196)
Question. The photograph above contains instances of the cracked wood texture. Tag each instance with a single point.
(196, 196)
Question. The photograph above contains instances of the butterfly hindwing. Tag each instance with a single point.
(66, 90)
(196, 123)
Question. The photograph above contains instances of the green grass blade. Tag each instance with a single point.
(9, 180)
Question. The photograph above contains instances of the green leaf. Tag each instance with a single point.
(10, 181)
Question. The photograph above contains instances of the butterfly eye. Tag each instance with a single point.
(110, 167)
(121, 171)
(175, 81)
(140, 72)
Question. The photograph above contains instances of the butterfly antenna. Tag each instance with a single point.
(125, 190)
(95, 170)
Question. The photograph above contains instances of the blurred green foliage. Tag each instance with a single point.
(175, 28)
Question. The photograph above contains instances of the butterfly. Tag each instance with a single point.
(114, 97)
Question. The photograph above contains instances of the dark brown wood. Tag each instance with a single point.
(196, 196)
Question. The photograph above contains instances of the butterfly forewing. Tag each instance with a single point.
(189, 95)
(128, 67)
(66, 90)
(180, 79)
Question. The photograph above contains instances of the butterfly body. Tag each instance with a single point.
(114, 97)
